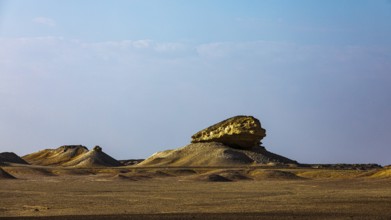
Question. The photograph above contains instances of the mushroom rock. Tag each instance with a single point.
(243, 132)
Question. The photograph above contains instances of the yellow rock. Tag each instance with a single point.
(244, 132)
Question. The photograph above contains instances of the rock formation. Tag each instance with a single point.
(55, 157)
(72, 156)
(235, 141)
(93, 158)
(242, 132)
(97, 148)
(213, 154)
(10, 157)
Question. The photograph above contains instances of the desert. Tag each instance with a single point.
(224, 173)
(196, 109)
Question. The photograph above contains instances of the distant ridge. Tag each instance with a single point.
(72, 156)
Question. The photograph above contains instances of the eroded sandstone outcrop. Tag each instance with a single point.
(72, 156)
(243, 132)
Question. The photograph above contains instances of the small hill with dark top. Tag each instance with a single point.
(10, 157)
(93, 158)
(72, 156)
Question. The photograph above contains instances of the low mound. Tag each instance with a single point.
(71, 172)
(223, 175)
(5, 175)
(72, 156)
(213, 154)
(383, 173)
(274, 174)
(29, 171)
(181, 172)
(142, 175)
(211, 178)
(234, 174)
(10, 157)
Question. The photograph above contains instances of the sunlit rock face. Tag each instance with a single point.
(243, 132)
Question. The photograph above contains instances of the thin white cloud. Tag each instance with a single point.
(45, 21)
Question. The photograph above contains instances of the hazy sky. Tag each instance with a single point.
(136, 77)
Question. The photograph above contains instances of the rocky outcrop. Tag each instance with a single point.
(97, 149)
(93, 158)
(242, 132)
(72, 156)
(55, 157)
(235, 141)
(10, 157)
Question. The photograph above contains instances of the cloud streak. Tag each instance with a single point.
(44, 21)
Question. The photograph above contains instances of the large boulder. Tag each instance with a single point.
(243, 132)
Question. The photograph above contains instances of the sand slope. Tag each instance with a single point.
(383, 173)
(57, 156)
(212, 154)
(5, 175)
(92, 158)
(71, 156)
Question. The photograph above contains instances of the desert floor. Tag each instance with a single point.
(40, 193)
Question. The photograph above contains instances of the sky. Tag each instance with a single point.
(142, 76)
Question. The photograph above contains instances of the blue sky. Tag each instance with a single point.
(138, 77)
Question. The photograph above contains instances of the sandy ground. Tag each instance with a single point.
(81, 194)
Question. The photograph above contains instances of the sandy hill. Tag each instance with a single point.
(10, 157)
(57, 156)
(234, 141)
(5, 175)
(383, 173)
(72, 156)
(95, 157)
(213, 154)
